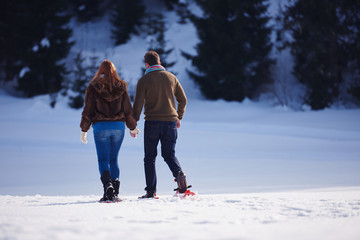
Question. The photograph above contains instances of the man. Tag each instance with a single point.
(158, 89)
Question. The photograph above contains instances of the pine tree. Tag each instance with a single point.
(50, 46)
(232, 59)
(155, 30)
(87, 10)
(94, 65)
(181, 7)
(37, 45)
(84, 70)
(322, 45)
(4, 21)
(80, 82)
(350, 21)
(14, 36)
(126, 18)
(171, 4)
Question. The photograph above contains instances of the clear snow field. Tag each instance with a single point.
(261, 172)
(311, 215)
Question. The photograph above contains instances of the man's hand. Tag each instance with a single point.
(178, 123)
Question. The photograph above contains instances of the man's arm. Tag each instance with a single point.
(181, 99)
(139, 99)
(128, 112)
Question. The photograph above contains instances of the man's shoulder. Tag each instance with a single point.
(170, 74)
(152, 76)
(156, 74)
(141, 80)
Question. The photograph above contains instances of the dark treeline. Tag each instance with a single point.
(326, 47)
(233, 54)
(233, 58)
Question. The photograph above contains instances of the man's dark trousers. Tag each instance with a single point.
(166, 133)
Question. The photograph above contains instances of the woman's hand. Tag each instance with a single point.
(134, 132)
(83, 137)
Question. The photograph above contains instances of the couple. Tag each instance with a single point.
(108, 108)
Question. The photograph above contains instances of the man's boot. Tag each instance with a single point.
(181, 181)
(149, 195)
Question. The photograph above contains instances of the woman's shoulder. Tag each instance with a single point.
(90, 88)
(91, 91)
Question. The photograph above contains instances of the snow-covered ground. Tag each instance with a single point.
(261, 172)
(318, 214)
(223, 147)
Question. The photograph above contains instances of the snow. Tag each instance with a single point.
(321, 214)
(261, 172)
(35, 48)
(224, 147)
(81, 8)
(45, 42)
(23, 71)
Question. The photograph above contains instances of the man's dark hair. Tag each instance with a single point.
(152, 58)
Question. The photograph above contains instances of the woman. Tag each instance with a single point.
(108, 108)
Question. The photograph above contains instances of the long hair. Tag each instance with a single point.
(106, 75)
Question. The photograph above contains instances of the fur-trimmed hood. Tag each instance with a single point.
(116, 93)
(102, 105)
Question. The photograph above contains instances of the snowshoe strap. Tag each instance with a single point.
(177, 189)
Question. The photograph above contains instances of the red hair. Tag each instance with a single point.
(110, 77)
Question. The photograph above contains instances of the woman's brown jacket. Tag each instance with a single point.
(103, 105)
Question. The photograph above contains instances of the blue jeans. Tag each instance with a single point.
(166, 133)
(108, 143)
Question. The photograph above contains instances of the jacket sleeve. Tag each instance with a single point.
(88, 111)
(139, 99)
(128, 111)
(181, 99)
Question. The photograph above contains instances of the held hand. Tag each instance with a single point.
(178, 123)
(83, 137)
(134, 132)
